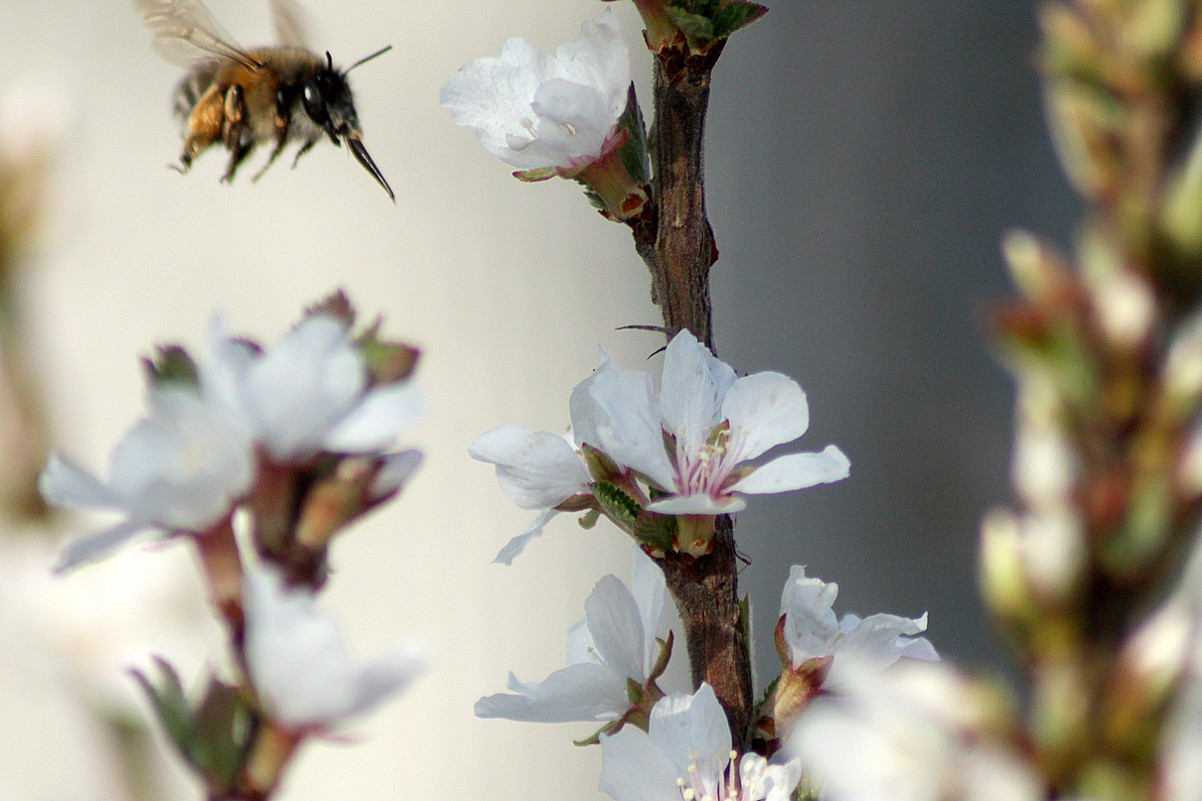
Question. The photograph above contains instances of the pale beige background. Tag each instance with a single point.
(864, 156)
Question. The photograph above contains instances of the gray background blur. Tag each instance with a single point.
(864, 158)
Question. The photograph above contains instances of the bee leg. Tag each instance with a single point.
(239, 150)
(281, 139)
(204, 126)
(305, 148)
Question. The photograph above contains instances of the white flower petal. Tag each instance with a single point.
(395, 473)
(617, 628)
(383, 414)
(811, 628)
(764, 410)
(518, 544)
(648, 588)
(692, 730)
(536, 470)
(633, 769)
(96, 546)
(389, 673)
(882, 639)
(64, 483)
(697, 505)
(297, 390)
(585, 691)
(795, 471)
(498, 98)
(298, 661)
(692, 386)
(626, 417)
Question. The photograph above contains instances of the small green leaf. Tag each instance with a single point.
(171, 707)
(617, 504)
(735, 15)
(589, 519)
(634, 152)
(698, 29)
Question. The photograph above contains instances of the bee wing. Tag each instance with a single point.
(290, 23)
(184, 32)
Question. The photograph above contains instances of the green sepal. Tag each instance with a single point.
(589, 519)
(171, 364)
(537, 174)
(336, 305)
(634, 153)
(600, 466)
(656, 531)
(617, 504)
(387, 362)
(213, 738)
(662, 659)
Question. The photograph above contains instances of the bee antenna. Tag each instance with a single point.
(329, 61)
(365, 59)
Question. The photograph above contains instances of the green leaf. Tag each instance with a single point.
(171, 707)
(214, 738)
(617, 504)
(697, 29)
(634, 153)
(589, 519)
(735, 15)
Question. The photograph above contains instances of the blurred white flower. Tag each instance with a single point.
(298, 661)
(86, 633)
(534, 110)
(179, 469)
(686, 754)
(913, 733)
(311, 391)
(812, 631)
(613, 645)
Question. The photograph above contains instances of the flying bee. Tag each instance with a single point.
(242, 98)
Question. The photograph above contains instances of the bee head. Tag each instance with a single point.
(328, 102)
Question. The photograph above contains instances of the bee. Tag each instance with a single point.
(242, 98)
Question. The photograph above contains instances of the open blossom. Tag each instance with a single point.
(611, 647)
(811, 630)
(716, 423)
(691, 446)
(535, 110)
(311, 392)
(685, 755)
(299, 664)
(916, 733)
(180, 469)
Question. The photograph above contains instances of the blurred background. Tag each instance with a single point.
(864, 158)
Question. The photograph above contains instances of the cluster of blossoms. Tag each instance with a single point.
(297, 436)
(661, 466)
(664, 746)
